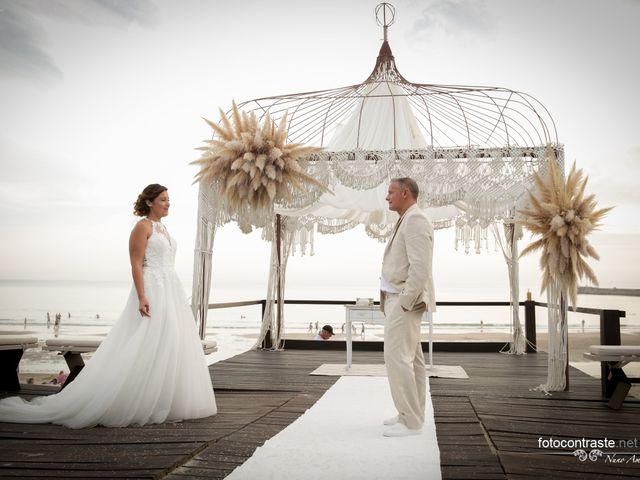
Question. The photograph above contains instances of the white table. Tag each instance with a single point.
(373, 315)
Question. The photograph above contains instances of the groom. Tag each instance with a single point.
(406, 291)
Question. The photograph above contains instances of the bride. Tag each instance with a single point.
(150, 368)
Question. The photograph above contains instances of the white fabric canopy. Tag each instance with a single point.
(381, 120)
(361, 207)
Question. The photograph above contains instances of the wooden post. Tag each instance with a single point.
(530, 325)
(609, 335)
(610, 327)
(266, 343)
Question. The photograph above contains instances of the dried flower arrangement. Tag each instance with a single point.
(564, 217)
(252, 165)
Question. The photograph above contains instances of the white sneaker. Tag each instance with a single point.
(399, 430)
(391, 421)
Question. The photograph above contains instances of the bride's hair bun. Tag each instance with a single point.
(149, 194)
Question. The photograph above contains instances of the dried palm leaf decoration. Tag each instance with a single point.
(252, 165)
(564, 217)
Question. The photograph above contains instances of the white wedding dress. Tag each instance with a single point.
(147, 369)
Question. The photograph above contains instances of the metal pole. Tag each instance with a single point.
(564, 314)
(515, 291)
(430, 320)
(204, 302)
(348, 338)
(279, 298)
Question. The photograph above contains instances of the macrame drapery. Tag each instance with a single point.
(508, 242)
(274, 311)
(558, 340)
(206, 231)
(487, 179)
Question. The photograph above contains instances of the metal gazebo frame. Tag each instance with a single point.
(481, 146)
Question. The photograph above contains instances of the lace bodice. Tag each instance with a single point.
(161, 248)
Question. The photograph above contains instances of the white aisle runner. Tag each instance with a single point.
(340, 437)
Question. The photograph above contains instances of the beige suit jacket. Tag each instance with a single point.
(407, 262)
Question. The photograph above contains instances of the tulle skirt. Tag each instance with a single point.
(147, 369)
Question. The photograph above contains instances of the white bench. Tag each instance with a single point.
(11, 349)
(615, 383)
(73, 348)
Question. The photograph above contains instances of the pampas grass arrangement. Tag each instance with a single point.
(252, 165)
(564, 217)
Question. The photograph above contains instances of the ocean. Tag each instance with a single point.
(97, 304)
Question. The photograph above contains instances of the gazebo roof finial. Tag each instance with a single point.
(388, 14)
(385, 69)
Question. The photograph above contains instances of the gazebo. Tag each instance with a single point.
(472, 149)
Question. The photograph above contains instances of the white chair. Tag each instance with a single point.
(615, 383)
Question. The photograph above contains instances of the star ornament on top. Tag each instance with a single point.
(563, 216)
(253, 165)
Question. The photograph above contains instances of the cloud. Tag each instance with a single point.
(22, 50)
(23, 40)
(453, 17)
(95, 12)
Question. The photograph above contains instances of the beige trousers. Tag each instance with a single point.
(405, 363)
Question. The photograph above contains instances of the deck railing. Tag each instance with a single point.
(609, 322)
(609, 319)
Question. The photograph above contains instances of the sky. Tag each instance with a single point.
(99, 98)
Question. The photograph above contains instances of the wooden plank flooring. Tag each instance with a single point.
(488, 426)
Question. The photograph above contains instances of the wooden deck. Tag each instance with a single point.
(488, 426)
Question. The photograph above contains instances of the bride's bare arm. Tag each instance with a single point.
(137, 245)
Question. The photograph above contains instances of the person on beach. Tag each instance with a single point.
(406, 292)
(325, 334)
(150, 368)
(61, 377)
